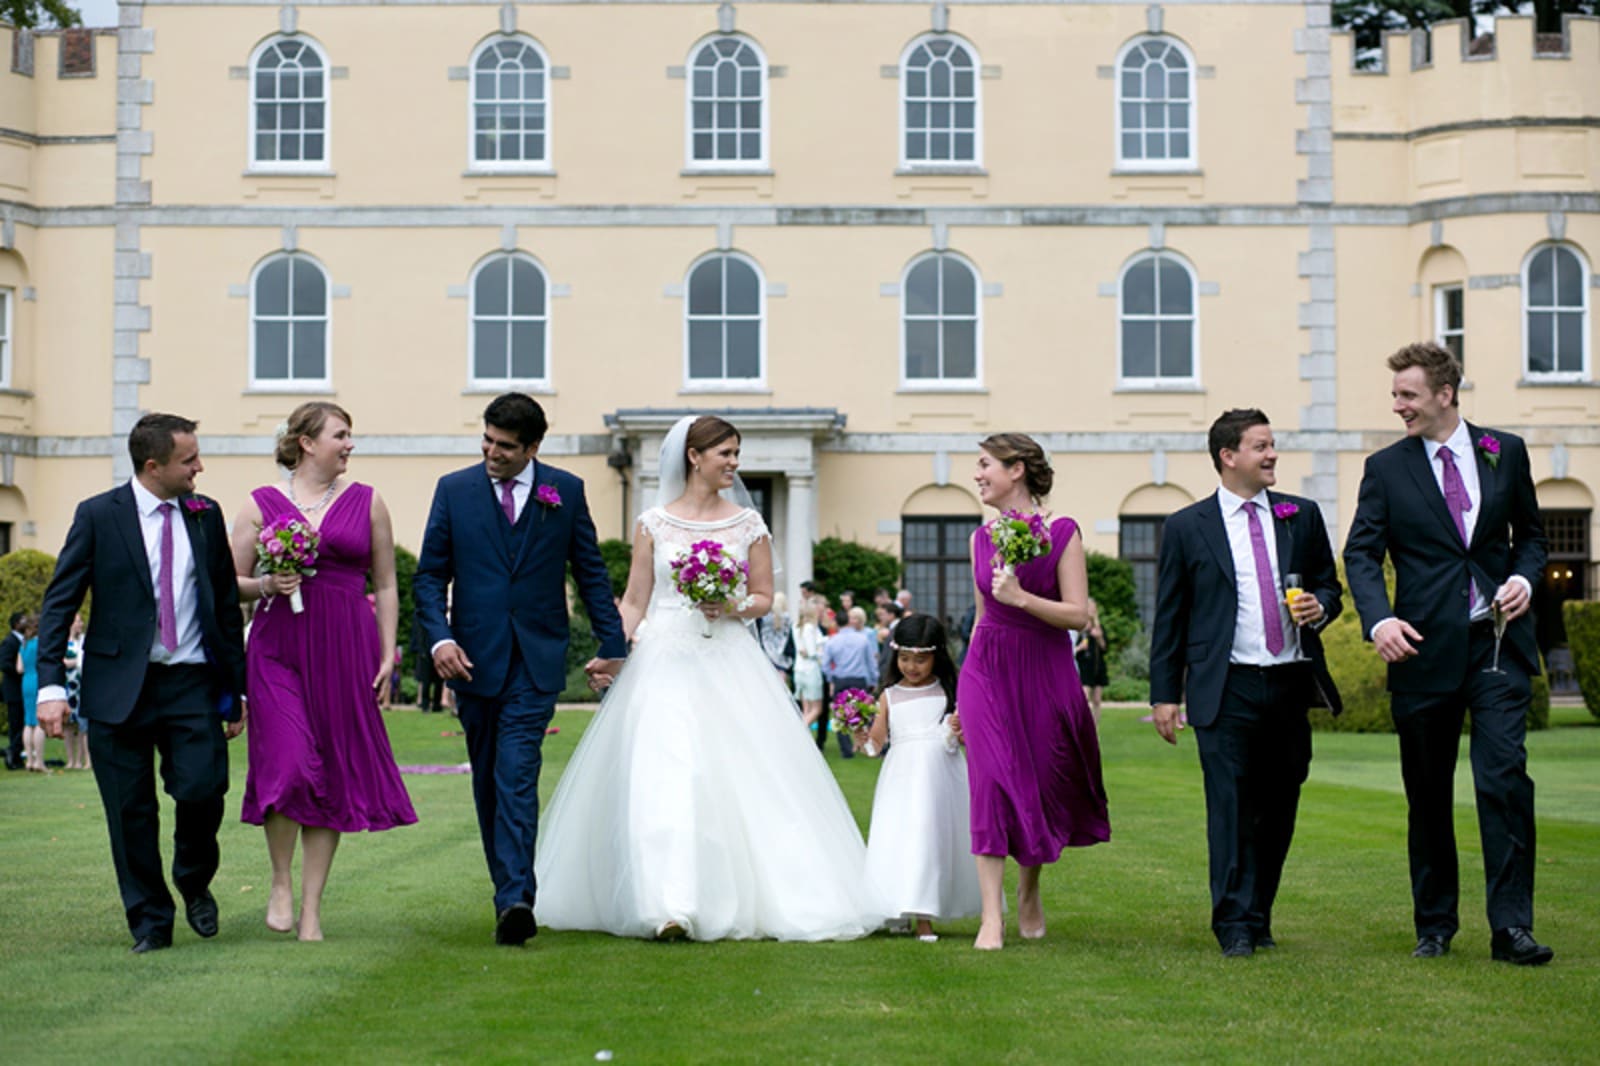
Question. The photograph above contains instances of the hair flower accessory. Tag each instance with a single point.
(197, 504)
(1489, 448)
(548, 496)
(1285, 510)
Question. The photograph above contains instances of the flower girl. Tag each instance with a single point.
(919, 853)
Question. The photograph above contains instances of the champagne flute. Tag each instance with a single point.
(1291, 589)
(1498, 613)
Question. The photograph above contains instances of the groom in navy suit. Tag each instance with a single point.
(1246, 663)
(491, 595)
(1453, 507)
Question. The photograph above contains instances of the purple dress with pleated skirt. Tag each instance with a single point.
(1033, 756)
(319, 751)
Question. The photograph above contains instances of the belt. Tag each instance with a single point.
(1252, 668)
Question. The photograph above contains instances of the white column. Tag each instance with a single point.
(801, 520)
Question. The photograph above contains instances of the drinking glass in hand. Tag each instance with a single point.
(1291, 590)
(1497, 613)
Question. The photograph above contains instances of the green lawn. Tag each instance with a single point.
(1128, 973)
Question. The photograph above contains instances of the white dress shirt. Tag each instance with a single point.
(521, 487)
(1460, 445)
(1249, 627)
(185, 597)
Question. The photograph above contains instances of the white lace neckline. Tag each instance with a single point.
(690, 523)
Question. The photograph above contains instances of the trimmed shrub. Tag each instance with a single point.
(1111, 585)
(618, 555)
(845, 566)
(1539, 705)
(405, 573)
(1127, 690)
(1359, 673)
(1582, 620)
(1134, 662)
(581, 647)
(24, 576)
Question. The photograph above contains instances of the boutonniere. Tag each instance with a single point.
(197, 504)
(548, 497)
(1285, 510)
(1489, 448)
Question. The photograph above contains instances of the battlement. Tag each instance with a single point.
(1451, 42)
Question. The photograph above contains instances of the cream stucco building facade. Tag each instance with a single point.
(869, 232)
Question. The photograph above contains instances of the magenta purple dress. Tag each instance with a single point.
(319, 751)
(1033, 756)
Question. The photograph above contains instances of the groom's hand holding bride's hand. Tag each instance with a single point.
(602, 672)
(451, 663)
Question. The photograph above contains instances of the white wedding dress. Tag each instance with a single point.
(696, 797)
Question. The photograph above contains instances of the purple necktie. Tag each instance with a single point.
(167, 609)
(508, 502)
(1458, 503)
(1270, 621)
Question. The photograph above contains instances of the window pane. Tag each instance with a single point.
(922, 350)
(743, 295)
(1178, 146)
(527, 296)
(1178, 85)
(1177, 297)
(310, 296)
(1138, 349)
(705, 288)
(750, 146)
(489, 289)
(1569, 341)
(1130, 116)
(702, 146)
(310, 350)
(922, 288)
(1454, 311)
(965, 148)
(744, 349)
(1541, 286)
(1139, 289)
(1541, 342)
(960, 350)
(705, 350)
(527, 350)
(960, 290)
(920, 537)
(1132, 146)
(1132, 84)
(272, 288)
(489, 349)
(917, 116)
(1177, 355)
(1569, 279)
(313, 148)
(955, 539)
(272, 350)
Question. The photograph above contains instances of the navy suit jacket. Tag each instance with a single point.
(499, 590)
(1401, 512)
(1197, 603)
(104, 556)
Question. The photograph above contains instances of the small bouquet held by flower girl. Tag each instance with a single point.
(854, 709)
(288, 546)
(706, 573)
(1018, 538)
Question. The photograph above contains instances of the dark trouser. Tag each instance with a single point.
(15, 720)
(174, 716)
(1429, 724)
(505, 740)
(1255, 756)
(430, 686)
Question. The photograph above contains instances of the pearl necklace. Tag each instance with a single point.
(320, 504)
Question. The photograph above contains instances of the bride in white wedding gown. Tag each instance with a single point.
(696, 804)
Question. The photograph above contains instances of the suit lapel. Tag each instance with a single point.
(1282, 534)
(1415, 457)
(493, 516)
(533, 518)
(1216, 537)
(1488, 484)
(126, 519)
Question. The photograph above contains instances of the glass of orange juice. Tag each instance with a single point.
(1291, 589)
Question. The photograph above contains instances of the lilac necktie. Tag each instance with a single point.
(508, 502)
(167, 608)
(1458, 503)
(1270, 621)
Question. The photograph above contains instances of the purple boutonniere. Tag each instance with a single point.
(1285, 510)
(548, 496)
(1489, 448)
(196, 504)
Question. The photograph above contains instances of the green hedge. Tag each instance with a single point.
(1111, 585)
(845, 566)
(24, 575)
(1582, 620)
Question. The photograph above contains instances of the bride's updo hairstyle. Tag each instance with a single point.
(1011, 448)
(306, 420)
(706, 433)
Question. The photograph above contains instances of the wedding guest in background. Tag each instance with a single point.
(881, 596)
(1091, 659)
(320, 761)
(28, 667)
(808, 671)
(850, 660)
(777, 637)
(75, 731)
(886, 616)
(11, 691)
(430, 686)
(903, 598)
(847, 600)
(1033, 756)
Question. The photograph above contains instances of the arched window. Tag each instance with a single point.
(289, 322)
(510, 322)
(1555, 313)
(510, 105)
(1157, 342)
(289, 105)
(939, 103)
(939, 310)
(726, 306)
(1155, 105)
(728, 104)
(6, 298)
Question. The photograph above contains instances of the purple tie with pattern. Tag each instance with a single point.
(508, 502)
(1458, 503)
(167, 608)
(1270, 620)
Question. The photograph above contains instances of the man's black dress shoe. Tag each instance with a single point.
(1238, 947)
(202, 914)
(515, 925)
(153, 942)
(1516, 945)
(1431, 947)
(1264, 940)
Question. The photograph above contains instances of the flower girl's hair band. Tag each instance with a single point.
(901, 647)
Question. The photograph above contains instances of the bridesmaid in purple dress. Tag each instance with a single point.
(1033, 758)
(320, 761)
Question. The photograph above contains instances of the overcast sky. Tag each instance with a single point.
(96, 12)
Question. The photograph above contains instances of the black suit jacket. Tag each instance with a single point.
(10, 680)
(1401, 512)
(1197, 603)
(104, 555)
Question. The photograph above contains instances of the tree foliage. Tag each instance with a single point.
(845, 566)
(24, 575)
(1111, 585)
(30, 14)
(1369, 20)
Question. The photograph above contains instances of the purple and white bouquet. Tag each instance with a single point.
(288, 546)
(1017, 539)
(854, 709)
(706, 573)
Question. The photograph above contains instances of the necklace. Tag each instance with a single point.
(320, 504)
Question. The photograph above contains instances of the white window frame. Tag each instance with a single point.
(1585, 281)
(726, 384)
(939, 384)
(8, 295)
(1189, 162)
(1441, 317)
(694, 165)
(544, 165)
(293, 384)
(976, 162)
(294, 166)
(1158, 383)
(473, 380)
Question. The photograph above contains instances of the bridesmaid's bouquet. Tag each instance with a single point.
(1017, 539)
(706, 573)
(854, 708)
(288, 546)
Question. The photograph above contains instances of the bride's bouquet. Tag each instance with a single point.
(706, 573)
(1018, 538)
(288, 546)
(854, 709)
